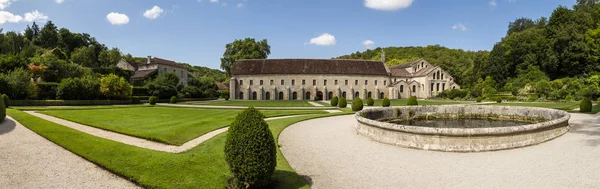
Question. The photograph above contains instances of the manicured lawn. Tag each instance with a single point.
(201, 167)
(163, 124)
(255, 103)
(42, 108)
(566, 106)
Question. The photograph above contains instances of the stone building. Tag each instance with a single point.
(305, 79)
(154, 67)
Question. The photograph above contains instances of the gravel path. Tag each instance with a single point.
(315, 104)
(28, 160)
(332, 155)
(134, 141)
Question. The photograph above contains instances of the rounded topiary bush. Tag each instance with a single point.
(357, 104)
(498, 100)
(250, 150)
(173, 100)
(6, 100)
(342, 103)
(334, 101)
(316, 98)
(370, 101)
(386, 102)
(479, 99)
(569, 98)
(152, 100)
(2, 110)
(412, 101)
(585, 105)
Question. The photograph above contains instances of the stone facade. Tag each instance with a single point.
(305, 79)
(155, 66)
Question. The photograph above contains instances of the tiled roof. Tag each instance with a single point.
(309, 66)
(222, 86)
(405, 65)
(133, 64)
(142, 73)
(165, 62)
(400, 72)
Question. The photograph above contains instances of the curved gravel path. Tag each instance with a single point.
(139, 142)
(332, 155)
(28, 160)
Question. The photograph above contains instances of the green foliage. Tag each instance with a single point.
(498, 99)
(17, 84)
(585, 105)
(140, 91)
(115, 87)
(86, 88)
(152, 100)
(239, 49)
(370, 101)
(357, 104)
(250, 150)
(85, 56)
(342, 102)
(225, 95)
(334, 101)
(164, 86)
(479, 99)
(173, 100)
(412, 101)
(207, 85)
(191, 91)
(316, 98)
(136, 100)
(47, 91)
(452, 94)
(6, 100)
(2, 111)
(569, 98)
(386, 102)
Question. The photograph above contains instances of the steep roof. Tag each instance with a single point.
(309, 66)
(406, 65)
(165, 62)
(142, 73)
(222, 86)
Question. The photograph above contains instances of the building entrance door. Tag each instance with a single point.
(320, 95)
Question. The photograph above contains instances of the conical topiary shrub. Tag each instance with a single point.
(585, 105)
(250, 150)
(357, 104)
(334, 101)
(342, 103)
(2, 110)
(386, 102)
(370, 101)
(173, 100)
(412, 101)
(152, 100)
(6, 100)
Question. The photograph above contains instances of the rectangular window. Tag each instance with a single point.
(181, 74)
(325, 82)
(251, 82)
(261, 82)
(336, 83)
(241, 82)
(303, 82)
(165, 70)
(375, 82)
(282, 82)
(293, 82)
(355, 82)
(271, 83)
(314, 82)
(346, 82)
(366, 82)
(443, 86)
(385, 82)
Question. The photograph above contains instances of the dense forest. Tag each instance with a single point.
(555, 58)
(52, 63)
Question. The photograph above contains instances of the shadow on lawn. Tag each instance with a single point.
(590, 127)
(287, 179)
(6, 126)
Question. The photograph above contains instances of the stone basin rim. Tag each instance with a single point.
(563, 119)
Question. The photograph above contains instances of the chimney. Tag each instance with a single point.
(149, 58)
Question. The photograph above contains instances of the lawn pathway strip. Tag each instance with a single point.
(134, 141)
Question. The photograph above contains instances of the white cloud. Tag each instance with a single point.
(35, 16)
(493, 3)
(9, 17)
(240, 5)
(116, 18)
(388, 5)
(368, 44)
(323, 40)
(153, 13)
(59, 1)
(214, 1)
(5, 3)
(460, 27)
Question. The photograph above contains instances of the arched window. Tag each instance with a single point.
(453, 87)
(437, 88)
(443, 86)
(307, 96)
(254, 96)
(438, 74)
(421, 64)
(280, 96)
(432, 87)
(294, 96)
(381, 95)
(356, 94)
(414, 88)
(442, 75)
(344, 94)
(241, 95)
(401, 88)
(369, 94)
(329, 95)
(268, 96)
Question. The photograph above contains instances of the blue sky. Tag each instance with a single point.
(196, 32)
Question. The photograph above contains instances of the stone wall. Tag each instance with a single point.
(462, 139)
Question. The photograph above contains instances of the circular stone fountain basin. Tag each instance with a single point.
(537, 125)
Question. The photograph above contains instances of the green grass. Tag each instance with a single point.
(566, 106)
(42, 108)
(255, 103)
(402, 102)
(201, 167)
(162, 124)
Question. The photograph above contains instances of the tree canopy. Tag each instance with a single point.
(247, 48)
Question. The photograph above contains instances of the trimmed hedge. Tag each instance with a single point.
(140, 91)
(152, 100)
(250, 150)
(6, 100)
(498, 100)
(136, 100)
(47, 91)
(357, 104)
(479, 99)
(370, 101)
(412, 101)
(342, 103)
(173, 100)
(316, 98)
(585, 105)
(68, 102)
(334, 101)
(386, 102)
(2, 111)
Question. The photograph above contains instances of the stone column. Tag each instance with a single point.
(232, 86)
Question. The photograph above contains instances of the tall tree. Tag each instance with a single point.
(36, 30)
(109, 58)
(29, 33)
(84, 56)
(48, 36)
(247, 48)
